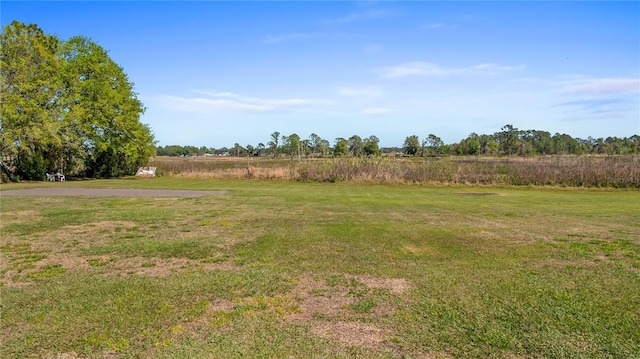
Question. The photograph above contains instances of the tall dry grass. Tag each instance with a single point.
(572, 171)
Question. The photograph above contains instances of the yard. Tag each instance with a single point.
(281, 269)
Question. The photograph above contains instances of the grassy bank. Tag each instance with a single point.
(571, 171)
(293, 269)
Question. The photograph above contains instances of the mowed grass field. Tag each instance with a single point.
(312, 270)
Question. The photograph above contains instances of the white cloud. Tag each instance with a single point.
(606, 86)
(418, 68)
(493, 69)
(227, 101)
(376, 111)
(372, 14)
(274, 39)
(207, 105)
(366, 91)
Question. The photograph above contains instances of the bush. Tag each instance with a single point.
(33, 168)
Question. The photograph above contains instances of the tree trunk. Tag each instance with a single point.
(7, 172)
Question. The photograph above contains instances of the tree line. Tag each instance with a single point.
(66, 106)
(509, 141)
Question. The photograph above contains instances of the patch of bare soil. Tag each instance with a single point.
(394, 285)
(74, 355)
(317, 300)
(327, 309)
(353, 333)
(221, 305)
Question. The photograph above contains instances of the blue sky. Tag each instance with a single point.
(215, 73)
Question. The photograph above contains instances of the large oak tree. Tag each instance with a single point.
(67, 106)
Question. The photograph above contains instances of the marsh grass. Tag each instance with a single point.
(573, 171)
(292, 269)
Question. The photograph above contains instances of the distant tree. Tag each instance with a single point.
(411, 145)
(435, 145)
(565, 144)
(488, 145)
(324, 147)
(238, 150)
(314, 141)
(222, 151)
(305, 147)
(508, 140)
(172, 150)
(535, 142)
(470, 145)
(260, 148)
(635, 144)
(371, 146)
(341, 147)
(355, 145)
(291, 144)
(273, 144)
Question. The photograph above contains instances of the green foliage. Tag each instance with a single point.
(371, 146)
(273, 144)
(291, 145)
(435, 145)
(177, 150)
(356, 146)
(31, 167)
(411, 145)
(341, 147)
(30, 86)
(67, 107)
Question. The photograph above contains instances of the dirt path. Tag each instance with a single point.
(107, 192)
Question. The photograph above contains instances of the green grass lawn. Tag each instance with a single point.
(287, 269)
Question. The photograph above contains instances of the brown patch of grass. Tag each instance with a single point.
(434, 355)
(221, 305)
(7, 218)
(328, 310)
(74, 355)
(96, 226)
(318, 300)
(112, 266)
(353, 333)
(394, 285)
(160, 267)
(94, 230)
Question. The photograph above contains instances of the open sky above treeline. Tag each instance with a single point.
(214, 73)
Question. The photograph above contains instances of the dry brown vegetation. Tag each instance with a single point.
(570, 171)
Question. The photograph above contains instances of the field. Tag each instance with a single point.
(293, 269)
(572, 171)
